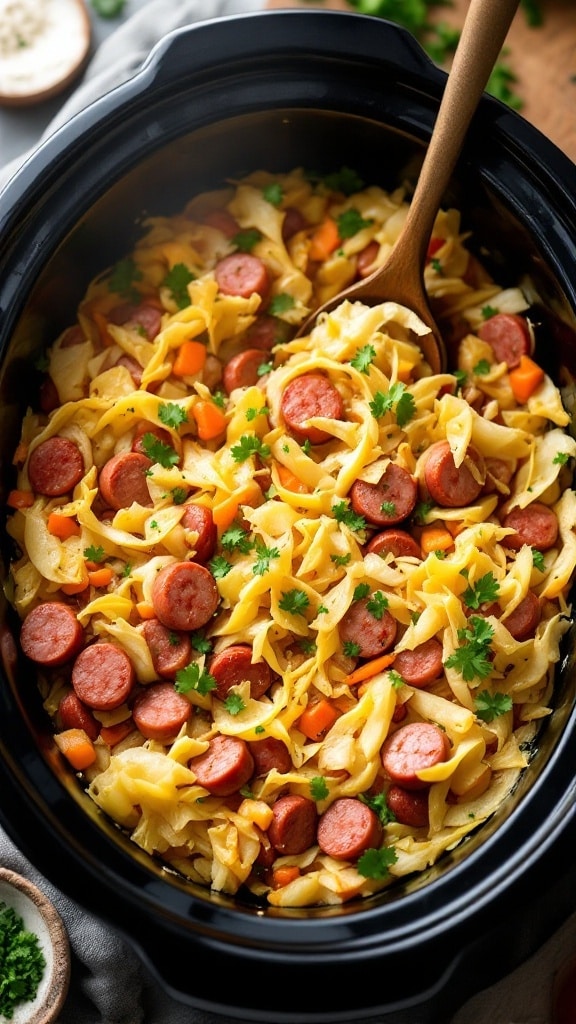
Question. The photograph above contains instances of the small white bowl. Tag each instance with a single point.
(41, 918)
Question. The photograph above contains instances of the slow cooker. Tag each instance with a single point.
(277, 90)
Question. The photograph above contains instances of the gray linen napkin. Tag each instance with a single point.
(109, 983)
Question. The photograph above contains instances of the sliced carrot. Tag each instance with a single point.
(290, 481)
(210, 420)
(76, 588)
(145, 610)
(100, 577)
(525, 378)
(190, 359)
(317, 718)
(113, 734)
(20, 499)
(324, 240)
(369, 669)
(102, 324)
(77, 748)
(20, 453)
(435, 538)
(285, 874)
(63, 526)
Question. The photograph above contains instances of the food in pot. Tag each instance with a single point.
(295, 602)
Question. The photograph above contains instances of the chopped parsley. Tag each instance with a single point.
(158, 451)
(264, 368)
(234, 704)
(345, 180)
(375, 863)
(318, 788)
(489, 706)
(472, 658)
(171, 414)
(94, 554)
(422, 510)
(351, 648)
(177, 280)
(179, 495)
(200, 642)
(248, 446)
(219, 567)
(194, 678)
(538, 559)
(294, 601)
(482, 368)
(361, 591)
(219, 399)
(235, 538)
(340, 560)
(350, 223)
(363, 358)
(246, 240)
(395, 678)
(273, 193)
(281, 303)
(378, 804)
(388, 508)
(460, 376)
(560, 459)
(22, 962)
(109, 8)
(377, 604)
(486, 589)
(397, 398)
(264, 556)
(488, 312)
(344, 514)
(122, 279)
(251, 414)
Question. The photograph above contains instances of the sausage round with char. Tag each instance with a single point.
(74, 714)
(170, 651)
(522, 622)
(365, 259)
(159, 712)
(293, 826)
(51, 634)
(348, 828)
(536, 525)
(184, 596)
(122, 480)
(422, 665)
(389, 501)
(241, 371)
(103, 676)
(233, 666)
(242, 274)
(398, 543)
(411, 748)
(199, 519)
(270, 753)
(449, 485)
(508, 335)
(55, 467)
(372, 635)
(143, 318)
(409, 807)
(225, 766)
(307, 396)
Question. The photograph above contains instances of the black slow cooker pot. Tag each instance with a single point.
(278, 90)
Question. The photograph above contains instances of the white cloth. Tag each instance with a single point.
(109, 983)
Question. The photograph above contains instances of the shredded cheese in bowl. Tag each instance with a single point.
(309, 595)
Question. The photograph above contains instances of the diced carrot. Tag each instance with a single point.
(455, 527)
(102, 324)
(190, 359)
(77, 748)
(324, 240)
(284, 874)
(225, 513)
(20, 499)
(145, 610)
(525, 378)
(290, 481)
(317, 718)
(20, 453)
(100, 577)
(76, 588)
(435, 537)
(369, 669)
(63, 526)
(210, 420)
(113, 734)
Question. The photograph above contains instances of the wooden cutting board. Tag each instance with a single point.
(543, 60)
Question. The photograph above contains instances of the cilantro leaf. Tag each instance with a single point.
(236, 538)
(273, 193)
(363, 358)
(318, 788)
(245, 241)
(340, 560)
(350, 222)
(281, 303)
(234, 704)
(294, 601)
(489, 706)
(560, 459)
(472, 658)
(94, 554)
(384, 401)
(177, 280)
(344, 514)
(247, 446)
(482, 368)
(158, 451)
(485, 590)
(171, 414)
(378, 804)
(375, 863)
(194, 678)
(488, 312)
(219, 567)
(264, 555)
(200, 642)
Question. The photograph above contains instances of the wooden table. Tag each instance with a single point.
(543, 60)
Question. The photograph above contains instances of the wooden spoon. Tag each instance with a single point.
(401, 278)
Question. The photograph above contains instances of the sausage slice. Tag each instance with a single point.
(51, 634)
(225, 766)
(307, 396)
(55, 467)
(233, 666)
(411, 748)
(450, 485)
(103, 676)
(389, 501)
(171, 651)
(536, 525)
(293, 826)
(199, 518)
(184, 596)
(373, 635)
(242, 274)
(396, 542)
(122, 480)
(242, 370)
(422, 665)
(160, 712)
(509, 336)
(347, 828)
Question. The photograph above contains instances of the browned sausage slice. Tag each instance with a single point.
(75, 715)
(233, 666)
(133, 367)
(522, 622)
(398, 543)
(422, 665)
(448, 485)
(51, 634)
(160, 712)
(266, 332)
(122, 480)
(294, 221)
(199, 518)
(348, 828)
(536, 525)
(143, 318)
(185, 596)
(170, 651)
(225, 766)
(361, 626)
(270, 753)
(55, 466)
(389, 501)
(408, 807)
(411, 748)
(242, 370)
(509, 336)
(293, 827)
(242, 274)
(103, 676)
(365, 259)
(307, 396)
